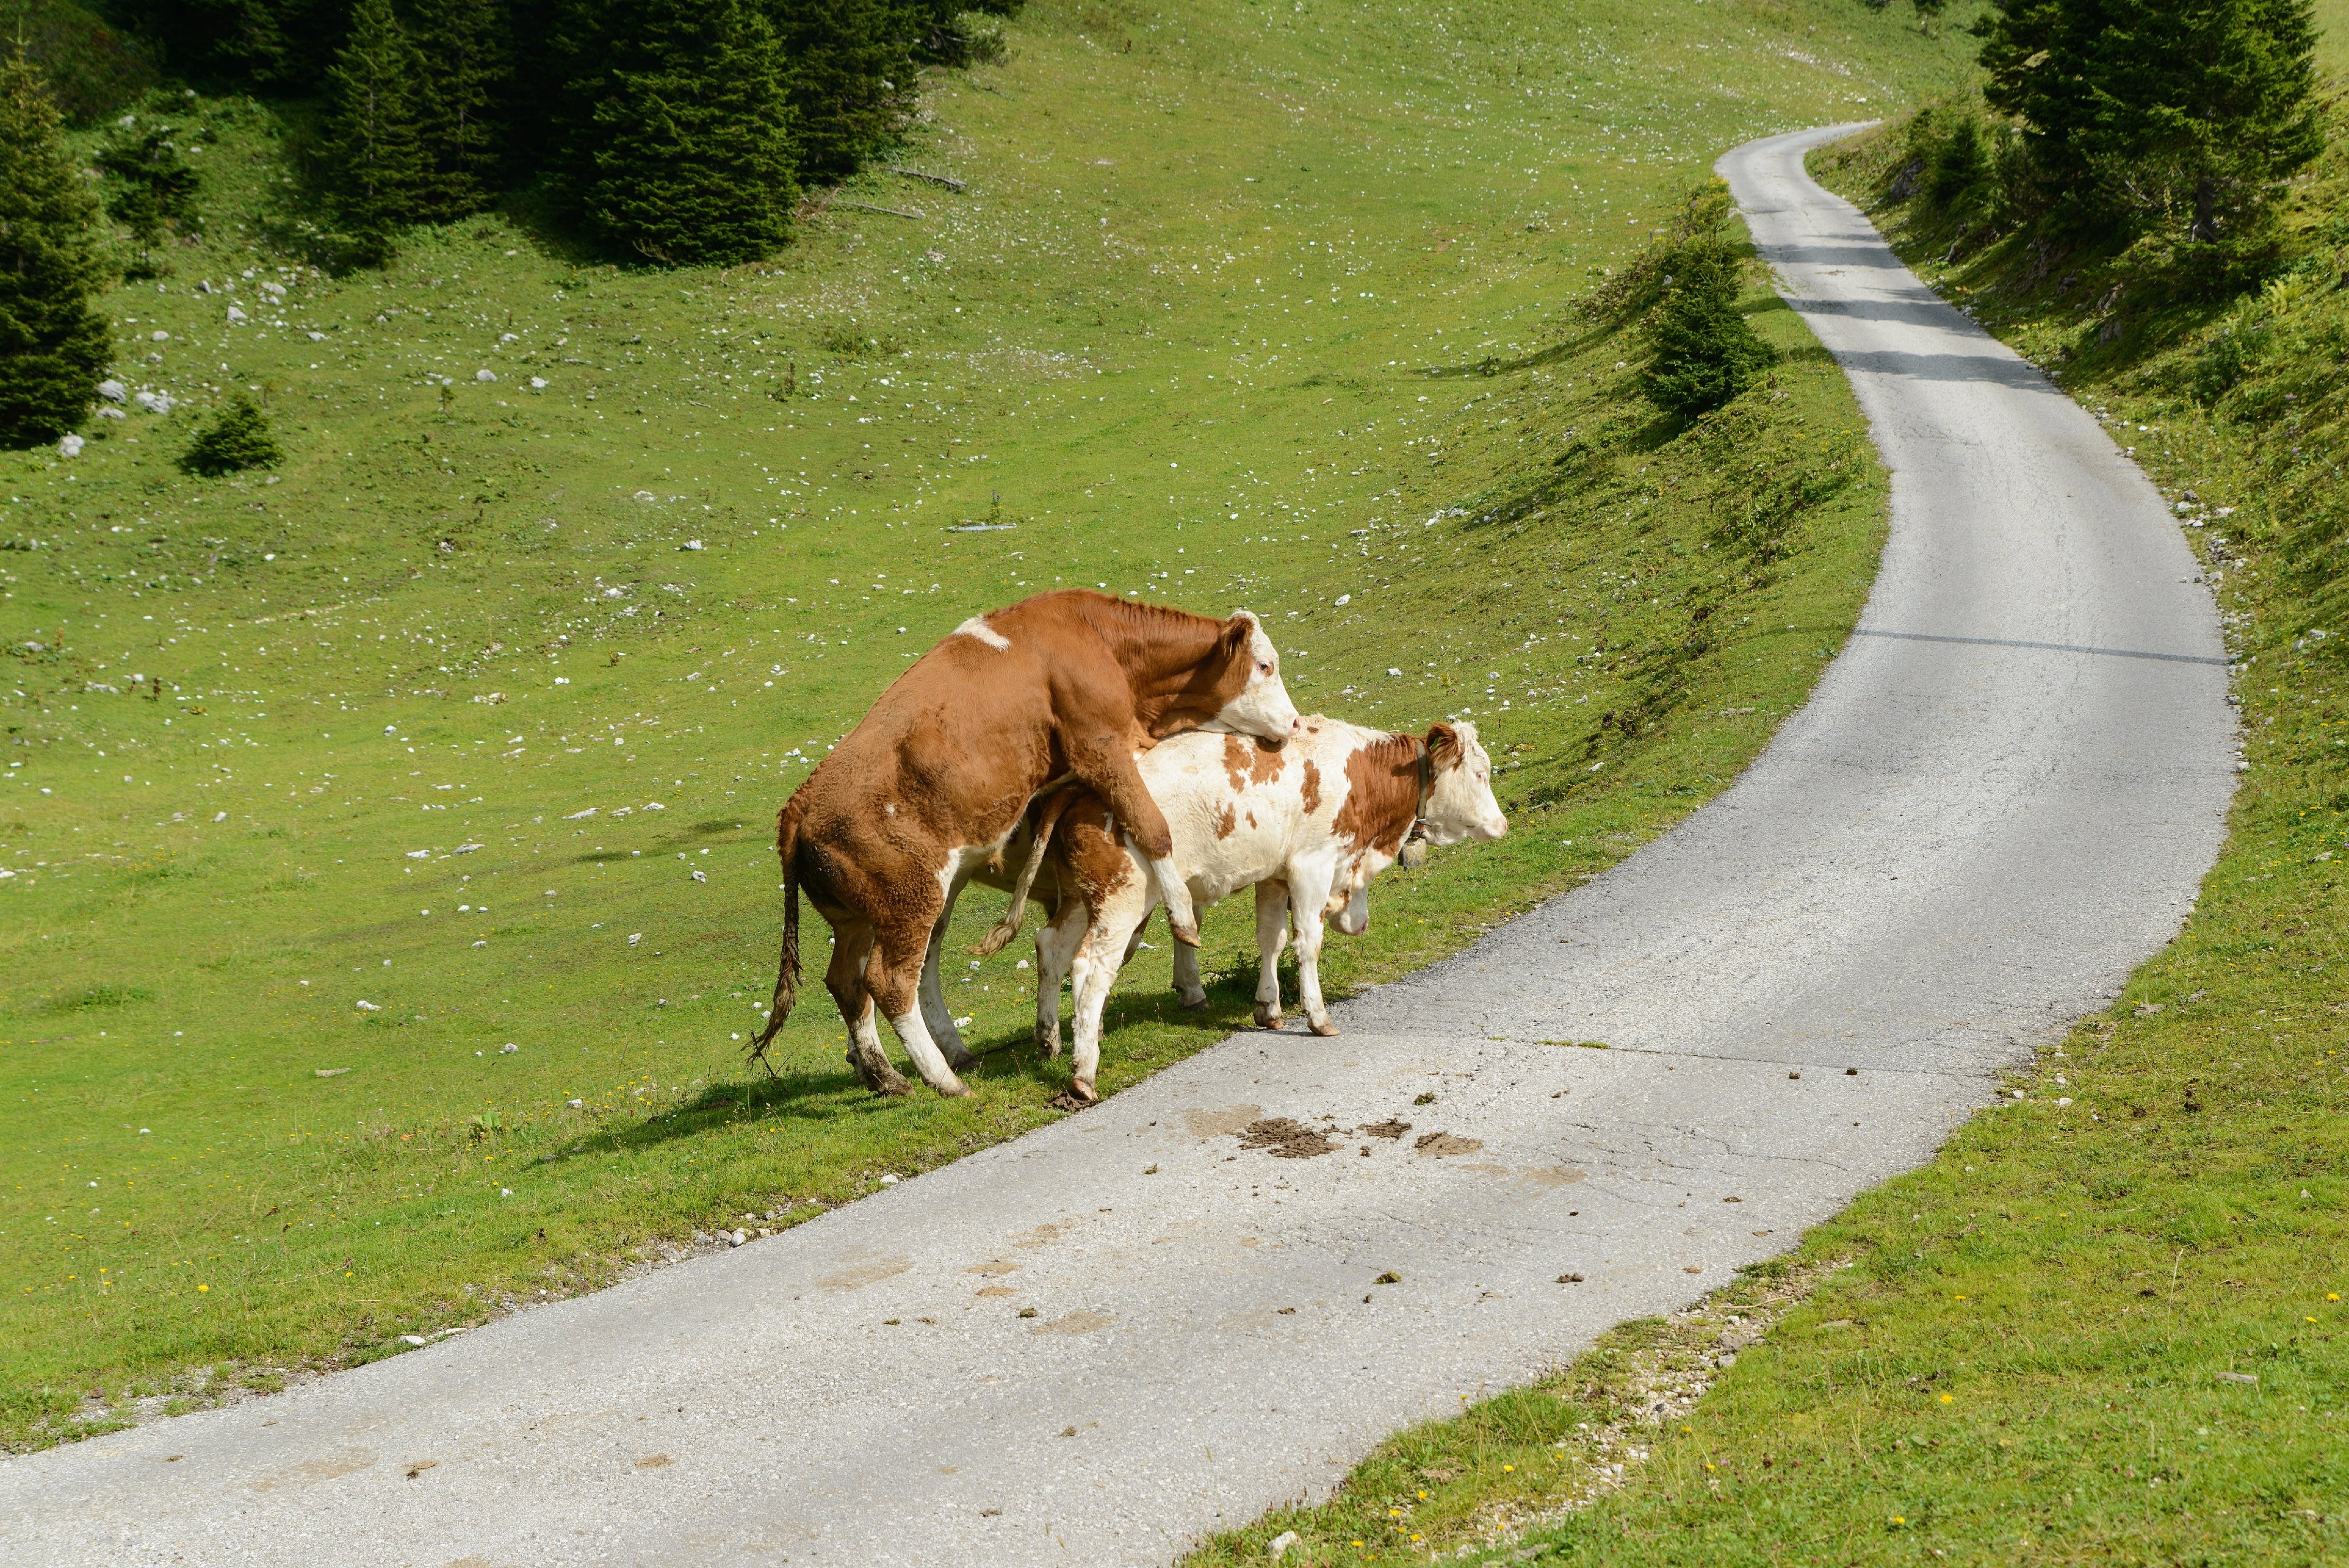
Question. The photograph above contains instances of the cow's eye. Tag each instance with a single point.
(1264, 668)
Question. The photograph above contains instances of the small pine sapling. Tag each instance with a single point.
(237, 440)
(1701, 350)
(149, 185)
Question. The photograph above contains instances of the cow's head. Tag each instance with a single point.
(1349, 907)
(1258, 704)
(1460, 805)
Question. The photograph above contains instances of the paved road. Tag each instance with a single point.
(2002, 796)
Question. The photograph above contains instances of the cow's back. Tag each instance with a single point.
(1239, 808)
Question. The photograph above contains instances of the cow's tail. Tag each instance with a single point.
(1008, 927)
(787, 966)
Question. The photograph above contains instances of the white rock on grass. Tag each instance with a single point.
(485, 375)
(236, 315)
(1281, 1543)
(108, 411)
(69, 445)
(112, 390)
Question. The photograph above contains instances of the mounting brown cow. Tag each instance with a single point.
(885, 832)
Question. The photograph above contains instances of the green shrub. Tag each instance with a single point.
(237, 440)
(1960, 163)
(91, 70)
(1701, 352)
(981, 38)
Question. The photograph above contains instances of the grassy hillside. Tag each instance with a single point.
(387, 875)
(2107, 1324)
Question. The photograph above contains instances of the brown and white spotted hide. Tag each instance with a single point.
(1308, 825)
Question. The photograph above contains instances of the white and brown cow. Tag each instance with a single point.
(925, 792)
(1307, 825)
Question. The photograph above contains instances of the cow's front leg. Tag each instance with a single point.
(1308, 895)
(1271, 935)
(936, 1013)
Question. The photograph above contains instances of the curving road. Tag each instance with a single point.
(2001, 798)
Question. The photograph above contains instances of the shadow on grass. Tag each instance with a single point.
(819, 1091)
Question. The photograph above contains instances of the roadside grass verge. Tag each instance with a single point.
(476, 708)
(2107, 1323)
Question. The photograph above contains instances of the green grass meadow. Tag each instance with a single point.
(2106, 1325)
(387, 836)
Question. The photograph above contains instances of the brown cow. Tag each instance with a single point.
(926, 790)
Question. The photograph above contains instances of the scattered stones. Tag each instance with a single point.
(1569, 1279)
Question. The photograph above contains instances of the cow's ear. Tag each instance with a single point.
(1239, 631)
(1443, 746)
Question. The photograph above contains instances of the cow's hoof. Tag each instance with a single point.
(1266, 1017)
(1192, 1003)
(1321, 1026)
(1187, 935)
(893, 1085)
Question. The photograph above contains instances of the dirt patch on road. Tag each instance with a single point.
(1206, 1123)
(1286, 1139)
(1443, 1143)
(1390, 1128)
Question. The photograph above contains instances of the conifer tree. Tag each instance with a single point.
(690, 156)
(238, 440)
(375, 147)
(464, 62)
(1701, 352)
(54, 345)
(2152, 110)
(2203, 107)
(851, 72)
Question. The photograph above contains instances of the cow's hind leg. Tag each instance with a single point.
(894, 978)
(1309, 897)
(1099, 957)
(851, 945)
(1056, 950)
(1271, 935)
(1188, 990)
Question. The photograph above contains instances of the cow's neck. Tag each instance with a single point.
(1174, 686)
